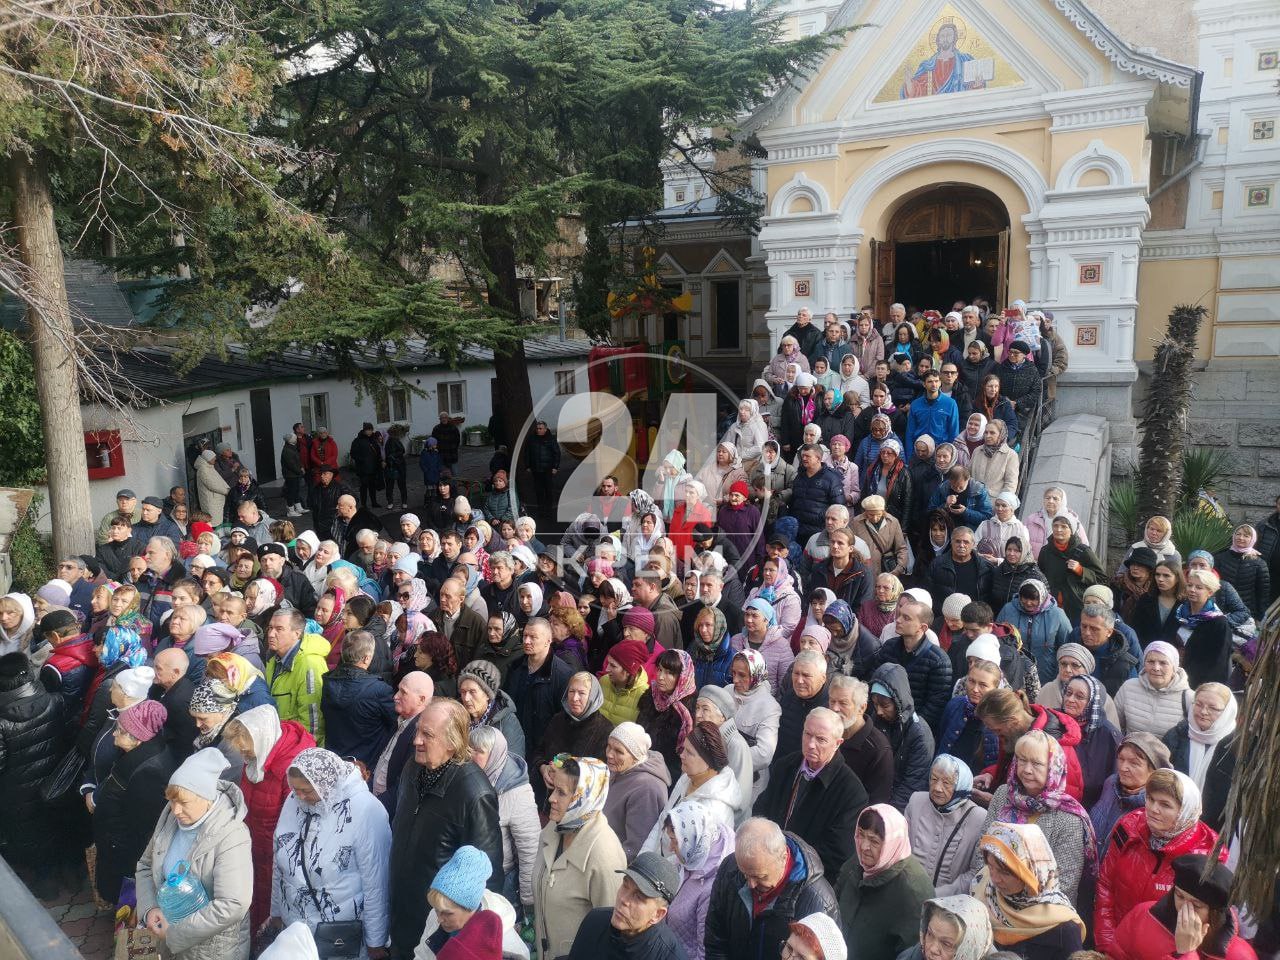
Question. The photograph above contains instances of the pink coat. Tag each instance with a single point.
(777, 654)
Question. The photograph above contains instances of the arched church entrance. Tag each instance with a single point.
(947, 243)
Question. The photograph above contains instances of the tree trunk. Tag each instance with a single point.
(52, 337)
(1164, 420)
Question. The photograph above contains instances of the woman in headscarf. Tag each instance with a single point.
(17, 623)
(329, 616)
(666, 708)
(261, 601)
(776, 588)
(699, 843)
(775, 373)
(121, 649)
(952, 928)
(580, 860)
(530, 603)
(705, 778)
(772, 479)
(1014, 568)
(1084, 700)
(994, 532)
(642, 528)
(1240, 565)
(332, 849)
(1069, 566)
(517, 810)
(881, 608)
(758, 712)
(1193, 743)
(971, 437)
(747, 433)
(1036, 792)
(1157, 535)
(869, 448)
(1040, 523)
(268, 747)
(615, 600)
(233, 675)
(1040, 622)
(688, 513)
(1160, 696)
(1030, 915)
(1139, 863)
(666, 492)
(709, 647)
(578, 728)
(994, 463)
(202, 828)
(760, 633)
(1140, 755)
(1073, 660)
(944, 824)
(721, 473)
(881, 890)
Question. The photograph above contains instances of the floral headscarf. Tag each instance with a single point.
(240, 673)
(122, 644)
(264, 599)
(685, 685)
(960, 775)
(417, 595)
(1021, 808)
(1092, 716)
(321, 768)
(779, 584)
(334, 629)
(970, 915)
(1023, 850)
(755, 664)
(695, 831)
(588, 797)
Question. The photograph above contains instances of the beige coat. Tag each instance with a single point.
(221, 860)
(567, 887)
(888, 536)
(212, 488)
(999, 471)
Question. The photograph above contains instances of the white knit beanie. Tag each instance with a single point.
(985, 647)
(954, 604)
(633, 738)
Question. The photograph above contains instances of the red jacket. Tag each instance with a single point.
(1133, 873)
(324, 453)
(1141, 936)
(1062, 728)
(680, 530)
(264, 801)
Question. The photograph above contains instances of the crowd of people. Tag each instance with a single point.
(807, 701)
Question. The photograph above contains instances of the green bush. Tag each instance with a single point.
(1199, 530)
(31, 554)
(1203, 468)
(1122, 508)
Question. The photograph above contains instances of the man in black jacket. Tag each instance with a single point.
(173, 688)
(632, 929)
(928, 667)
(366, 458)
(813, 793)
(816, 487)
(412, 696)
(273, 561)
(963, 570)
(536, 684)
(323, 502)
(445, 802)
(359, 713)
(772, 879)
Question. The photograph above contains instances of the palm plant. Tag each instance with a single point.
(1203, 468)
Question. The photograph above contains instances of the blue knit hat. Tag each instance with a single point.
(462, 879)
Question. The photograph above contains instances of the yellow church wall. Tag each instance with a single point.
(1162, 284)
(1129, 140)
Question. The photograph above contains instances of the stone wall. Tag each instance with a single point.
(1074, 453)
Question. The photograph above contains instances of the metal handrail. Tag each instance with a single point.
(1029, 442)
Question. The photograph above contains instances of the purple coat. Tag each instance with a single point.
(687, 916)
(741, 527)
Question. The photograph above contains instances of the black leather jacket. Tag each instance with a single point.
(31, 747)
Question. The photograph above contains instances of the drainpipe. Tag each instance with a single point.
(1201, 140)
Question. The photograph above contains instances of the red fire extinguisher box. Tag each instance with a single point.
(104, 453)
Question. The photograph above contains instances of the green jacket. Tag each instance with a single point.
(880, 915)
(296, 682)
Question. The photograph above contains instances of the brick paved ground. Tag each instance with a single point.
(90, 930)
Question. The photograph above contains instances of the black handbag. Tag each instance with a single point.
(335, 939)
(63, 778)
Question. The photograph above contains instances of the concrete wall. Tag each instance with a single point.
(1075, 454)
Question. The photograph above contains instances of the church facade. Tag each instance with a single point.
(1088, 156)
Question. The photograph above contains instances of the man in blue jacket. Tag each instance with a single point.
(816, 487)
(934, 413)
(965, 500)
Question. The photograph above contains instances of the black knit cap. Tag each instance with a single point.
(1214, 890)
(14, 664)
(706, 739)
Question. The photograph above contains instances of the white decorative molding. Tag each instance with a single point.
(1121, 54)
(1109, 106)
(803, 151)
(710, 271)
(669, 266)
(801, 186)
(1096, 156)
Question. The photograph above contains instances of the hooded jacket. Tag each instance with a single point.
(345, 841)
(636, 797)
(221, 860)
(733, 932)
(1042, 632)
(275, 745)
(1132, 872)
(359, 714)
(296, 683)
(909, 736)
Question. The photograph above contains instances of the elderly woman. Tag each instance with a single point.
(775, 372)
(1193, 742)
(579, 729)
(882, 532)
(665, 710)
(1074, 659)
(212, 706)
(1157, 535)
(881, 890)
(268, 747)
(1159, 696)
(994, 463)
(1040, 523)
(699, 843)
(705, 778)
(747, 433)
(1030, 915)
(130, 799)
(722, 473)
(1015, 569)
(994, 532)
(517, 810)
(777, 590)
(881, 608)
(952, 928)
(638, 785)
(201, 836)
(1036, 792)
(944, 824)
(761, 634)
(580, 858)
(1140, 755)
(332, 849)
(1240, 565)
(758, 712)
(488, 705)
(1069, 566)
(709, 648)
(1204, 633)
(1139, 863)
(1083, 700)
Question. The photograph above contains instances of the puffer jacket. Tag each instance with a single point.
(1042, 632)
(910, 737)
(513, 948)
(623, 705)
(881, 913)
(359, 714)
(687, 916)
(928, 671)
(811, 495)
(757, 720)
(1148, 933)
(31, 722)
(1132, 872)
(733, 932)
(127, 805)
(518, 820)
(297, 681)
(345, 843)
(275, 746)
(221, 860)
(944, 842)
(636, 797)
(1143, 707)
(571, 884)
